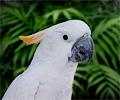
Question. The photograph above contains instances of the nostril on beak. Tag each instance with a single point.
(82, 53)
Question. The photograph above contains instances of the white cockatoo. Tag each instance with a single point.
(51, 73)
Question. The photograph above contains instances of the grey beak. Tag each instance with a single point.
(83, 49)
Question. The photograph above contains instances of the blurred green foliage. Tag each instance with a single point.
(98, 79)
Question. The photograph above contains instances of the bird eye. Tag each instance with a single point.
(66, 37)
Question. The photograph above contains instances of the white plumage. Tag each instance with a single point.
(50, 75)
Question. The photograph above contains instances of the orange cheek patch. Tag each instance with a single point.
(32, 39)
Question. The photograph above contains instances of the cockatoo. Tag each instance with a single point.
(51, 73)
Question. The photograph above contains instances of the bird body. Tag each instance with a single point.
(51, 73)
(38, 83)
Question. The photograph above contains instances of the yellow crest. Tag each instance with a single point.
(32, 39)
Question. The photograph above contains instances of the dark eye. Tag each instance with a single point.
(65, 37)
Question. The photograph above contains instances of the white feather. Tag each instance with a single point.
(50, 75)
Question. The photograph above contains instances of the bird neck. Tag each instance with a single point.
(53, 61)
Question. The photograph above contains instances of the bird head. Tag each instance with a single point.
(71, 38)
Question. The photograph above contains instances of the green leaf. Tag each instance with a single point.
(103, 93)
(94, 76)
(20, 47)
(117, 90)
(112, 76)
(18, 14)
(112, 81)
(112, 94)
(104, 46)
(11, 22)
(110, 23)
(113, 36)
(47, 15)
(8, 19)
(20, 70)
(6, 68)
(109, 42)
(27, 33)
(98, 80)
(8, 10)
(100, 88)
(14, 40)
(78, 85)
(23, 58)
(66, 14)
(15, 58)
(95, 58)
(115, 30)
(101, 54)
(31, 9)
(4, 44)
(85, 68)
(78, 13)
(110, 72)
(118, 53)
(98, 29)
(56, 15)
(4, 16)
(15, 28)
(19, 31)
(114, 63)
(80, 76)
(104, 26)
(31, 53)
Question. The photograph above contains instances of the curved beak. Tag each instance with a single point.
(83, 49)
